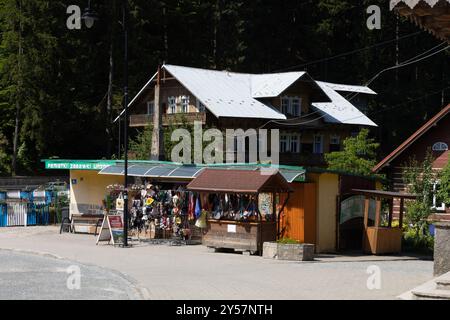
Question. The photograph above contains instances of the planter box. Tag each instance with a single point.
(292, 252)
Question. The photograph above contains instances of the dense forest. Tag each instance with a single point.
(60, 88)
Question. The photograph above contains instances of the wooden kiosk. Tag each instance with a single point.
(241, 236)
(378, 239)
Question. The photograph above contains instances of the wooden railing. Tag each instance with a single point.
(143, 120)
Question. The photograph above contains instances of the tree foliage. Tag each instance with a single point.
(358, 156)
(419, 178)
(61, 77)
(444, 190)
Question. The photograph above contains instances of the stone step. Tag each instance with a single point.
(431, 294)
(443, 284)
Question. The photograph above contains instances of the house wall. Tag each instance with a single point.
(327, 190)
(87, 194)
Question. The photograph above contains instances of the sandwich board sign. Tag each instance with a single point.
(112, 230)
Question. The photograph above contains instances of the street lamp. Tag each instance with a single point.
(89, 17)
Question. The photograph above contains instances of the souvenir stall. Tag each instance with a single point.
(163, 211)
(238, 207)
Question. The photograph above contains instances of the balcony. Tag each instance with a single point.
(143, 120)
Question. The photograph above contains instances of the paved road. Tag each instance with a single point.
(31, 277)
(194, 273)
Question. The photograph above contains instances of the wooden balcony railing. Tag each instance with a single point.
(143, 120)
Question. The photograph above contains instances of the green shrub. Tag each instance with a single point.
(287, 241)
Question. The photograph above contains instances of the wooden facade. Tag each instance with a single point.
(422, 141)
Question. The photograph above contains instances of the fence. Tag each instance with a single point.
(25, 209)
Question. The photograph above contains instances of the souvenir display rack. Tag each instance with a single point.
(235, 215)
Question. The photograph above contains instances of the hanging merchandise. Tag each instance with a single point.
(202, 220)
(120, 202)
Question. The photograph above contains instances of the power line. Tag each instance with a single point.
(348, 52)
(403, 64)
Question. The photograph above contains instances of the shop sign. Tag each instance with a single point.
(78, 165)
(112, 230)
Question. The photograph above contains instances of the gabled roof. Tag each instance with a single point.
(340, 110)
(230, 94)
(416, 135)
(225, 94)
(272, 85)
(239, 181)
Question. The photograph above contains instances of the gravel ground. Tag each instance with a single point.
(34, 277)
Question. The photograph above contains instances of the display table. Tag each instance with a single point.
(240, 236)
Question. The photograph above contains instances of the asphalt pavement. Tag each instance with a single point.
(37, 277)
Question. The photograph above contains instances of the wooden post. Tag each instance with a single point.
(402, 207)
(157, 141)
(378, 213)
(391, 211)
(366, 212)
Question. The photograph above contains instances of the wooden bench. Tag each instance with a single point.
(83, 220)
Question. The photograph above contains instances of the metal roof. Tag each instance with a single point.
(225, 94)
(273, 85)
(189, 172)
(350, 88)
(340, 110)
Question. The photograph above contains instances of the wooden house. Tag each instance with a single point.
(433, 136)
(313, 117)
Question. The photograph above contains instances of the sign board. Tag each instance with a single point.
(77, 165)
(232, 228)
(112, 230)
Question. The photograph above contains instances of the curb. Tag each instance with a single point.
(141, 292)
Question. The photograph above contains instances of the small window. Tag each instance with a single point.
(335, 139)
(296, 107)
(440, 146)
(284, 143)
(318, 144)
(200, 106)
(184, 104)
(172, 105)
(285, 105)
(151, 108)
(294, 144)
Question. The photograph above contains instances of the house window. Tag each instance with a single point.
(440, 146)
(290, 143)
(284, 140)
(151, 108)
(285, 103)
(291, 106)
(294, 144)
(172, 105)
(184, 104)
(200, 106)
(335, 143)
(318, 144)
(296, 107)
